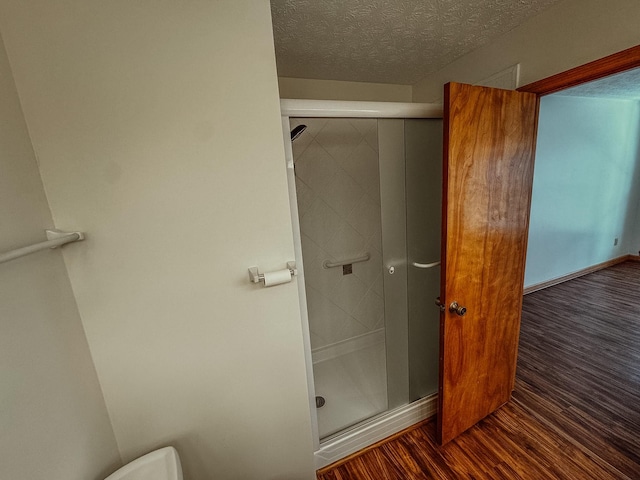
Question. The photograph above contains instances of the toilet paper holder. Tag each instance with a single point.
(256, 277)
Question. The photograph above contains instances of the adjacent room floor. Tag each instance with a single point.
(575, 412)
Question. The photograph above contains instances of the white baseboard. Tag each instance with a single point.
(576, 274)
(374, 430)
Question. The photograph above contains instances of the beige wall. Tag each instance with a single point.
(157, 127)
(53, 420)
(339, 90)
(569, 34)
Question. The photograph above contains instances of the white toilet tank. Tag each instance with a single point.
(162, 464)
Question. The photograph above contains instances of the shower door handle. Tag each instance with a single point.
(425, 265)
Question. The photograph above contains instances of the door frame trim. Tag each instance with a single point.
(603, 67)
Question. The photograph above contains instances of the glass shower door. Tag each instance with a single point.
(338, 196)
(361, 185)
(423, 155)
(411, 191)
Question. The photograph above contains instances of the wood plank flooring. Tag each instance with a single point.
(575, 411)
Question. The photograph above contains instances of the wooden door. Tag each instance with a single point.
(489, 141)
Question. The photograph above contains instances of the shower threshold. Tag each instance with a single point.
(373, 430)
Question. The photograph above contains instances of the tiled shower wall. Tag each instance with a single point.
(338, 190)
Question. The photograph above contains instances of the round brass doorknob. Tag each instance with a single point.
(457, 309)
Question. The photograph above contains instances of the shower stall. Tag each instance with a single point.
(365, 185)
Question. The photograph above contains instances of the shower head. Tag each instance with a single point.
(295, 133)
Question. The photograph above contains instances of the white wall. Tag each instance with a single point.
(53, 420)
(586, 185)
(566, 35)
(341, 90)
(157, 127)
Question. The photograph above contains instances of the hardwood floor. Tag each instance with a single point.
(575, 410)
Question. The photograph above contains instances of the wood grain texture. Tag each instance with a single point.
(575, 412)
(616, 63)
(581, 341)
(488, 169)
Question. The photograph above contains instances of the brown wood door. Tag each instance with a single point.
(489, 141)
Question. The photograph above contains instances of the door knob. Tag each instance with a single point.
(457, 309)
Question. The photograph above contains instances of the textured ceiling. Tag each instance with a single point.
(387, 41)
(624, 85)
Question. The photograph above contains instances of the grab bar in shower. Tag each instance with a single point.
(56, 238)
(425, 265)
(348, 261)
